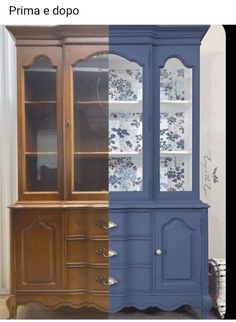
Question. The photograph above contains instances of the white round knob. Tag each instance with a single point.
(158, 252)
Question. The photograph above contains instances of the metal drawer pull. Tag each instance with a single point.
(103, 252)
(107, 282)
(112, 281)
(102, 224)
(158, 252)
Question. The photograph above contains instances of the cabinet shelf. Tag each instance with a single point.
(91, 154)
(124, 154)
(40, 102)
(176, 102)
(106, 154)
(184, 152)
(116, 106)
(40, 153)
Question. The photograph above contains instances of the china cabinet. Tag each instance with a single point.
(109, 214)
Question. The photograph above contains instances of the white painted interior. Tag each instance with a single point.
(213, 135)
(212, 139)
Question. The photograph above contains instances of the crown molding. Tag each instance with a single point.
(112, 34)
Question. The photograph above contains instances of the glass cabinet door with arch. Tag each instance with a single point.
(87, 122)
(175, 127)
(104, 123)
(40, 128)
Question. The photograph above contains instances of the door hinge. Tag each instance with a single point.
(149, 58)
(149, 186)
(149, 123)
(201, 225)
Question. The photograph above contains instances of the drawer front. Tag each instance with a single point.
(130, 279)
(87, 251)
(130, 252)
(130, 223)
(84, 278)
(82, 223)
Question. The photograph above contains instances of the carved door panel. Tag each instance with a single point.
(38, 249)
(178, 250)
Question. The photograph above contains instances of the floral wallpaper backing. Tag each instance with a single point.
(171, 131)
(172, 174)
(125, 135)
(172, 84)
(125, 132)
(125, 85)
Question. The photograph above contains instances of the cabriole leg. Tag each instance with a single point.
(12, 307)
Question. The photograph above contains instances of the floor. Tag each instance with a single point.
(36, 311)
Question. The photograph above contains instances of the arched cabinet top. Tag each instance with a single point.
(40, 62)
(179, 60)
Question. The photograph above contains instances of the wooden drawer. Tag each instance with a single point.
(130, 223)
(90, 251)
(85, 278)
(130, 252)
(82, 222)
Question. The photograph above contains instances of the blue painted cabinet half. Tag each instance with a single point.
(158, 225)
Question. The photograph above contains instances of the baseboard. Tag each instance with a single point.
(4, 291)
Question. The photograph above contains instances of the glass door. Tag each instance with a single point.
(125, 88)
(41, 153)
(87, 122)
(175, 130)
(105, 122)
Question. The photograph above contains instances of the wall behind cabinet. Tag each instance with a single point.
(212, 144)
(8, 152)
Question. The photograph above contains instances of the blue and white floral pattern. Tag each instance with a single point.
(172, 84)
(125, 85)
(172, 174)
(125, 132)
(171, 131)
(125, 174)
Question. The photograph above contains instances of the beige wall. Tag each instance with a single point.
(213, 135)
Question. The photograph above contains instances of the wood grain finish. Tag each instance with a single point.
(54, 234)
(59, 35)
(25, 58)
(87, 251)
(81, 223)
(74, 54)
(55, 249)
(38, 249)
(87, 278)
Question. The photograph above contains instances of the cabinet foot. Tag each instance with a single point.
(12, 307)
(206, 308)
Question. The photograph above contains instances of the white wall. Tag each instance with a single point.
(8, 182)
(213, 135)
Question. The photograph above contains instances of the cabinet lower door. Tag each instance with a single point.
(37, 249)
(178, 250)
